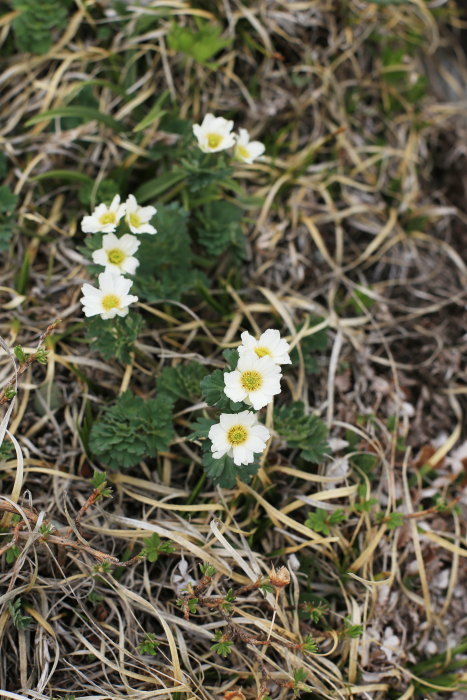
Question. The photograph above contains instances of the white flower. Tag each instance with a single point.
(214, 134)
(111, 299)
(255, 380)
(269, 344)
(116, 253)
(247, 150)
(104, 218)
(137, 217)
(238, 435)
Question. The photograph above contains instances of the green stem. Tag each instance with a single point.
(194, 494)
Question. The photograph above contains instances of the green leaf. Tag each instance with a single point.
(352, 631)
(155, 113)
(182, 381)
(154, 547)
(212, 388)
(20, 354)
(201, 427)
(98, 479)
(149, 644)
(72, 175)
(8, 200)
(219, 229)
(201, 44)
(159, 184)
(33, 27)
(223, 647)
(231, 357)
(224, 472)
(20, 621)
(116, 338)
(166, 270)
(205, 170)
(306, 432)
(89, 194)
(132, 429)
(322, 521)
(84, 114)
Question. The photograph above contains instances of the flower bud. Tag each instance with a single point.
(279, 578)
(234, 695)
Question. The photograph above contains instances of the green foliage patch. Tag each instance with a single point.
(220, 230)
(182, 381)
(132, 429)
(305, 432)
(166, 268)
(35, 24)
(116, 339)
(200, 43)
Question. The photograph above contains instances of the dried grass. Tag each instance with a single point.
(329, 229)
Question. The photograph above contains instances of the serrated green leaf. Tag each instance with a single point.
(212, 389)
(201, 428)
(201, 43)
(182, 381)
(231, 357)
(307, 432)
(115, 339)
(131, 430)
(219, 228)
(8, 200)
(224, 472)
(34, 24)
(166, 270)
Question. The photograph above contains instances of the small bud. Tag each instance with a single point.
(234, 695)
(279, 578)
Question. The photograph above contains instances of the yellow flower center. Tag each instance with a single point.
(110, 301)
(214, 140)
(237, 435)
(251, 380)
(115, 256)
(108, 218)
(261, 351)
(242, 152)
(134, 220)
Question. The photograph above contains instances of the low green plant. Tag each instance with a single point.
(350, 630)
(117, 339)
(132, 429)
(201, 42)
(222, 645)
(149, 645)
(323, 520)
(36, 22)
(20, 621)
(154, 547)
(305, 432)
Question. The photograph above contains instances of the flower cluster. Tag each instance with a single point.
(116, 256)
(215, 134)
(255, 381)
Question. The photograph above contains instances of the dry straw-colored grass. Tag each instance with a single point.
(359, 199)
